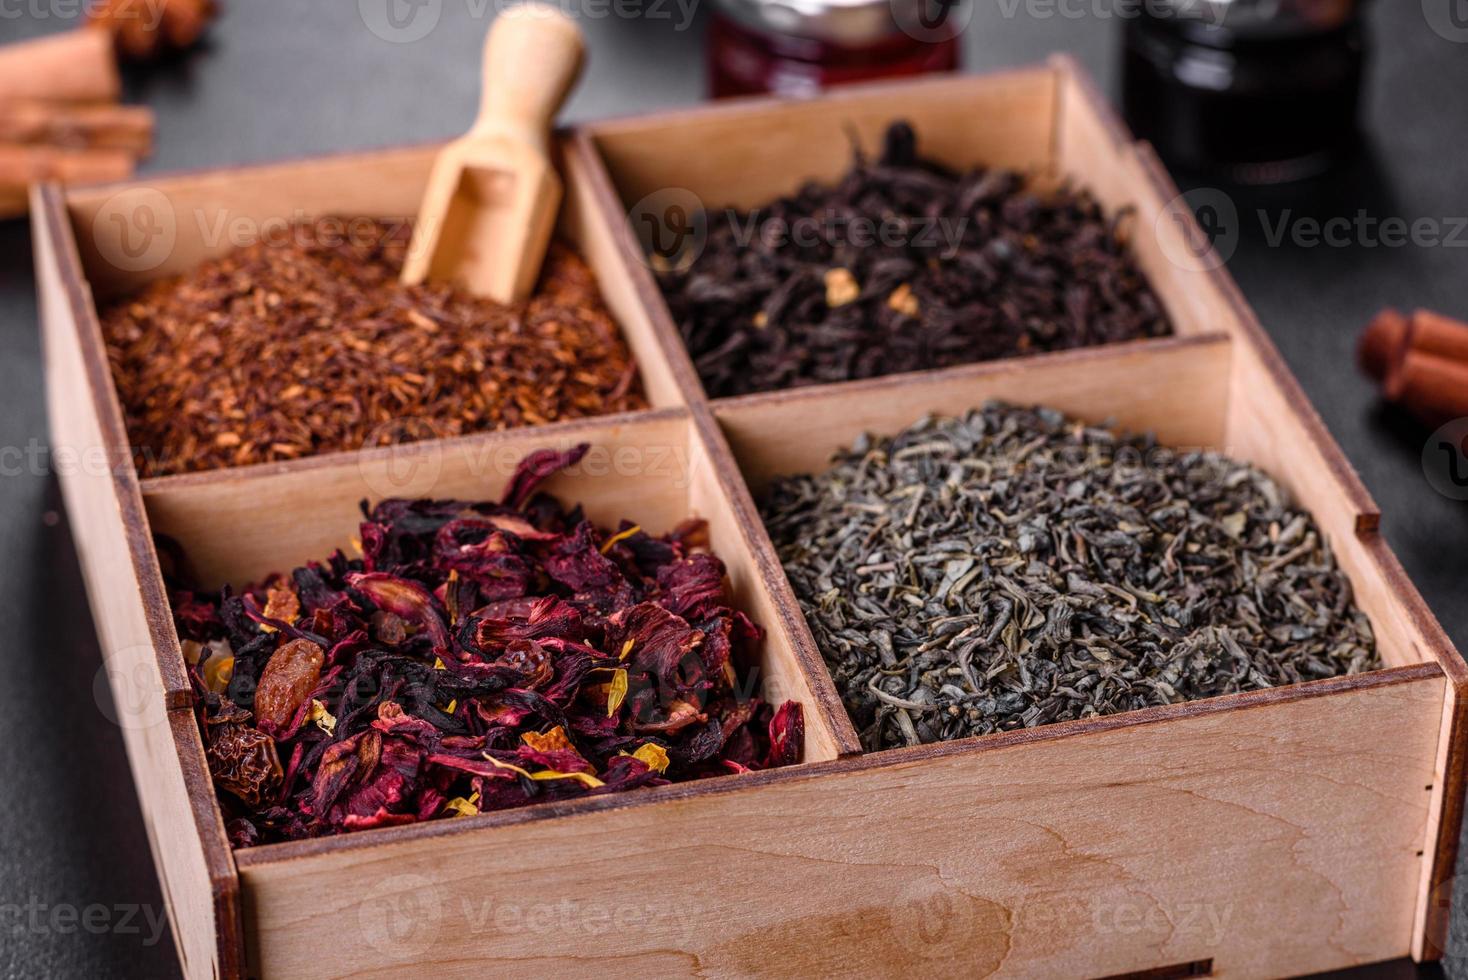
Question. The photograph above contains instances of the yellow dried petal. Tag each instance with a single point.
(218, 671)
(619, 536)
(653, 755)
(451, 707)
(617, 692)
(506, 765)
(551, 741)
(841, 287)
(903, 301)
(585, 778)
(460, 807)
(282, 604)
(546, 775)
(626, 648)
(323, 719)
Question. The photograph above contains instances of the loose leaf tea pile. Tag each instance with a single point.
(309, 344)
(478, 656)
(1015, 567)
(903, 265)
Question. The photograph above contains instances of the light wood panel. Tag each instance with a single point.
(744, 153)
(106, 515)
(1245, 836)
(1177, 388)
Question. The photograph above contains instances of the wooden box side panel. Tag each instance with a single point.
(105, 509)
(747, 153)
(237, 527)
(1251, 838)
(1177, 388)
(1271, 422)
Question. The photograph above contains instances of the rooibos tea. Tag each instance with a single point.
(902, 265)
(476, 657)
(1015, 567)
(309, 344)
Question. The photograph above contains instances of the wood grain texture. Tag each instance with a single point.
(1118, 849)
(105, 509)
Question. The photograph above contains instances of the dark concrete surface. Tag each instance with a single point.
(78, 896)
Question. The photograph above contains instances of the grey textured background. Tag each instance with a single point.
(285, 79)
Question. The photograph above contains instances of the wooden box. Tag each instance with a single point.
(1275, 832)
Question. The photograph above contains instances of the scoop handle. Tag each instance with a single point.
(532, 57)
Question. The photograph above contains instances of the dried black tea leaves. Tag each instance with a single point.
(1016, 567)
(903, 265)
(476, 657)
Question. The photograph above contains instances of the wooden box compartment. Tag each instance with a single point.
(1267, 833)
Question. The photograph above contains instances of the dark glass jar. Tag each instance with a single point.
(1252, 91)
(795, 47)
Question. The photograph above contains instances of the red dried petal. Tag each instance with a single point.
(535, 469)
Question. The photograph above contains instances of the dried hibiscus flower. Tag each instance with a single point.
(478, 656)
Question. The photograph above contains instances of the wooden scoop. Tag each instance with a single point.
(491, 202)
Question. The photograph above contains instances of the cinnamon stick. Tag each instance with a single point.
(21, 165)
(78, 126)
(1390, 335)
(73, 66)
(1433, 333)
(14, 201)
(1432, 387)
(1382, 343)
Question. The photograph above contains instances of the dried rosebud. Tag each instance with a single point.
(242, 760)
(285, 683)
